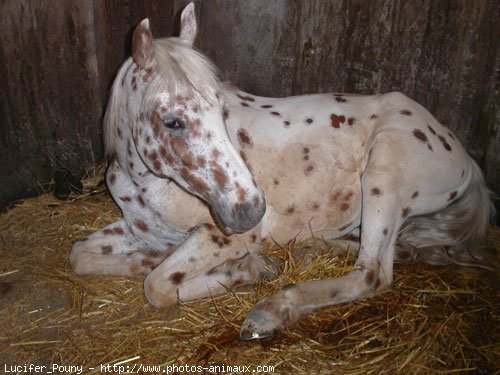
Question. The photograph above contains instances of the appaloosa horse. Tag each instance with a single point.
(191, 160)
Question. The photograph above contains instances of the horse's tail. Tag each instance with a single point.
(465, 221)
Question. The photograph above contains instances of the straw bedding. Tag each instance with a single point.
(435, 319)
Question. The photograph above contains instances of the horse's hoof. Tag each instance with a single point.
(270, 269)
(260, 324)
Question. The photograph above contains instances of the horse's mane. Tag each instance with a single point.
(185, 71)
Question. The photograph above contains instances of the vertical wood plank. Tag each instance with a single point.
(49, 100)
(57, 62)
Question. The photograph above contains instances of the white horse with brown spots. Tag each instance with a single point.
(191, 160)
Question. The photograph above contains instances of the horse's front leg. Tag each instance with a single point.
(115, 250)
(381, 219)
(206, 264)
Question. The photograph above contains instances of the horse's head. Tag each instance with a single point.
(175, 103)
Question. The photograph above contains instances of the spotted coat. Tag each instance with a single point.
(204, 174)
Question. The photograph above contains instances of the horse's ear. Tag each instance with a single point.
(142, 45)
(188, 24)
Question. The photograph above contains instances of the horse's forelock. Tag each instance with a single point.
(186, 71)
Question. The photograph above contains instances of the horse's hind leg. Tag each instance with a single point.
(113, 250)
(382, 216)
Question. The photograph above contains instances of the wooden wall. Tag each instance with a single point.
(58, 58)
(57, 61)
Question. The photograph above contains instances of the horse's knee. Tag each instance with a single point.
(158, 294)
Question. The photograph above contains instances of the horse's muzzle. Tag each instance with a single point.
(240, 217)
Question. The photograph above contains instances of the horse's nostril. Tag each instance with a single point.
(239, 217)
(248, 214)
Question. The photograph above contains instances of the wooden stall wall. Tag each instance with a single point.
(58, 59)
(441, 53)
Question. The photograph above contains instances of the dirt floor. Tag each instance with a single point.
(438, 320)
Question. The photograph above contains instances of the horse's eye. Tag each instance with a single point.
(173, 123)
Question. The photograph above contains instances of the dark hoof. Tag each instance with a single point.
(260, 325)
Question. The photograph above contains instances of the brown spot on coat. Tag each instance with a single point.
(420, 135)
(405, 212)
(339, 99)
(141, 225)
(274, 113)
(414, 195)
(309, 121)
(118, 230)
(196, 182)
(385, 231)
(246, 98)
(290, 210)
(266, 106)
(370, 277)
(405, 112)
(433, 132)
(219, 174)
(215, 153)
(286, 124)
(375, 191)
(334, 197)
(157, 165)
(348, 195)
(125, 198)
(334, 293)
(242, 194)
(373, 117)
(446, 146)
(253, 238)
(308, 169)
(201, 162)
(256, 200)
(344, 206)
(336, 120)
(452, 196)
(177, 277)
(351, 121)
(140, 200)
(107, 231)
(243, 104)
(108, 249)
(244, 138)
(148, 263)
(112, 178)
